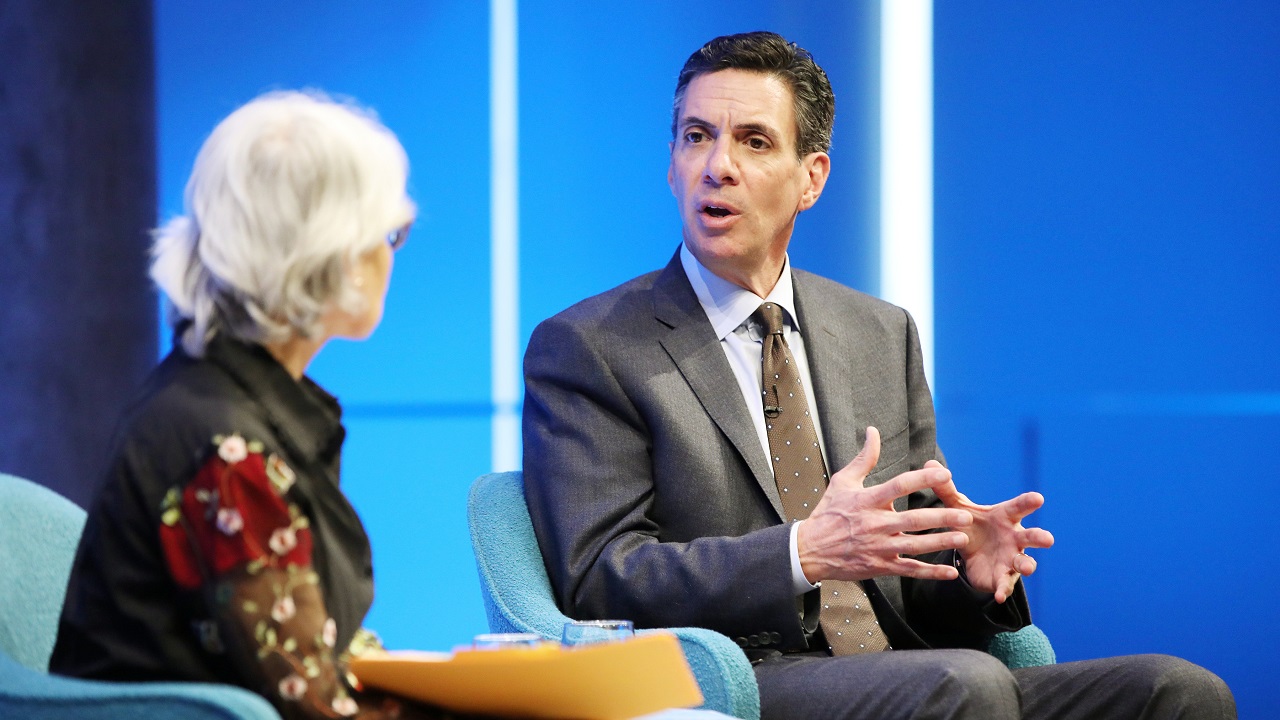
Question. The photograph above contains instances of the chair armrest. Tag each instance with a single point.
(1028, 647)
(33, 695)
(724, 674)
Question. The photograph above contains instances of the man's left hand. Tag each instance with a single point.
(994, 557)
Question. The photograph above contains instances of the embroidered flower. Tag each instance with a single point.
(345, 705)
(283, 540)
(283, 609)
(230, 521)
(233, 450)
(330, 633)
(282, 476)
(293, 687)
(230, 516)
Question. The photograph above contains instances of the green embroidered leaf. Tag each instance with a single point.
(171, 499)
(312, 668)
(290, 645)
(250, 606)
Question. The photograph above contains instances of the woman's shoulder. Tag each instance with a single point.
(190, 400)
(183, 412)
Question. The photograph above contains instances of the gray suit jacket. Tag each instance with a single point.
(652, 498)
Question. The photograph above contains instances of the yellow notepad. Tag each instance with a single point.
(607, 681)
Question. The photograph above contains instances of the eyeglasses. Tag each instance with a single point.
(396, 238)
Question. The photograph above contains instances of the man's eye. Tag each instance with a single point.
(757, 143)
(693, 136)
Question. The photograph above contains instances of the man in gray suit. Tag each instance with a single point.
(661, 426)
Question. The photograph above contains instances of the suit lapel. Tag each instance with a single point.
(839, 387)
(694, 348)
(842, 387)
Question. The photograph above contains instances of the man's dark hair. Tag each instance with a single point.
(769, 53)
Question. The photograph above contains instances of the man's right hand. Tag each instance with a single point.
(854, 533)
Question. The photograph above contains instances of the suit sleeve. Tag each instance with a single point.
(590, 434)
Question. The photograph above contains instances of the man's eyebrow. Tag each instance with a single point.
(695, 121)
(757, 127)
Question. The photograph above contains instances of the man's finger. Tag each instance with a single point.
(1005, 590)
(933, 542)
(1024, 564)
(907, 483)
(1036, 538)
(862, 465)
(928, 519)
(1024, 504)
(908, 567)
(949, 494)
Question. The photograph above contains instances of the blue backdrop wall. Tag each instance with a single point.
(1107, 177)
(1105, 254)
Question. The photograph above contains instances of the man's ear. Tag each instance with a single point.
(817, 167)
(671, 167)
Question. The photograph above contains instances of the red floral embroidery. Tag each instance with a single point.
(236, 517)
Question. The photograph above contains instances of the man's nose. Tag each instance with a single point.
(721, 167)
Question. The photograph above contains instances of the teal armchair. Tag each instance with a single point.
(518, 598)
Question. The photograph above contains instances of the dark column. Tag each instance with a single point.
(77, 195)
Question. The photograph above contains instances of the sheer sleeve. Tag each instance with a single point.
(232, 538)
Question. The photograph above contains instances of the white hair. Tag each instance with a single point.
(286, 193)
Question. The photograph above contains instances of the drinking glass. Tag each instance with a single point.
(503, 641)
(585, 632)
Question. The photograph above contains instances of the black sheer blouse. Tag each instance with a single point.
(220, 548)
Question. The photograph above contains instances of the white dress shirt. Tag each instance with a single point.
(729, 309)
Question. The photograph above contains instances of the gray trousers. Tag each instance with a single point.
(921, 684)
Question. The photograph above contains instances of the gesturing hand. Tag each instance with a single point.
(994, 557)
(854, 533)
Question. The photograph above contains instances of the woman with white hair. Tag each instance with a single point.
(220, 548)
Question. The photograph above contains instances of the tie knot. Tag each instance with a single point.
(769, 315)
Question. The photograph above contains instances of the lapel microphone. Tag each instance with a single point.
(772, 411)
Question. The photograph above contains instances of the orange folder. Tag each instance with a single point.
(606, 681)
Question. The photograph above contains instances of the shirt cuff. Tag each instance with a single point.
(799, 583)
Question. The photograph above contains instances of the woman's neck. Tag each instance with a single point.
(295, 354)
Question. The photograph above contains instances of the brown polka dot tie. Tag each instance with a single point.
(847, 618)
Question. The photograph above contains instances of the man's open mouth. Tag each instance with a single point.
(715, 211)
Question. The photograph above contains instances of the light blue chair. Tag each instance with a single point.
(518, 598)
(39, 530)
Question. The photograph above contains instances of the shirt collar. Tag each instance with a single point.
(729, 306)
(308, 419)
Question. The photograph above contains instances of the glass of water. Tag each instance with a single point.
(503, 641)
(586, 632)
